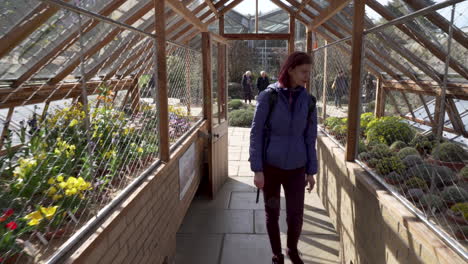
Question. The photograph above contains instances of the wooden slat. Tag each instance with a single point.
(261, 36)
(426, 108)
(221, 25)
(438, 20)
(309, 40)
(410, 108)
(454, 90)
(290, 11)
(427, 123)
(334, 7)
(292, 32)
(160, 28)
(219, 38)
(184, 12)
(437, 113)
(190, 36)
(301, 8)
(419, 37)
(230, 6)
(324, 85)
(6, 124)
(380, 99)
(352, 137)
(455, 118)
(394, 103)
(207, 105)
(212, 8)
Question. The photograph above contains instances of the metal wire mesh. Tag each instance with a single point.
(79, 129)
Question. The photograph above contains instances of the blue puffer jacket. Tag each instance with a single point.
(292, 140)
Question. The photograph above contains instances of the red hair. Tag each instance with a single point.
(295, 59)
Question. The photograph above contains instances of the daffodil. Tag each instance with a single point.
(73, 123)
(56, 197)
(49, 212)
(52, 190)
(37, 216)
(51, 181)
(60, 178)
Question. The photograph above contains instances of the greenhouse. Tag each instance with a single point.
(125, 134)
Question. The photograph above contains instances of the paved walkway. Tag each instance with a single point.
(231, 229)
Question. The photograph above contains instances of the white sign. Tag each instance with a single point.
(186, 170)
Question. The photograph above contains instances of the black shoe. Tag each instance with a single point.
(294, 256)
(278, 259)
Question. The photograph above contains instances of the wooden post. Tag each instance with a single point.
(207, 95)
(356, 68)
(221, 25)
(6, 124)
(292, 32)
(311, 54)
(188, 83)
(437, 113)
(135, 97)
(380, 97)
(324, 88)
(160, 27)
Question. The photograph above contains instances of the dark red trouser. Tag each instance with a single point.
(293, 182)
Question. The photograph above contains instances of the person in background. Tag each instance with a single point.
(247, 86)
(262, 82)
(339, 87)
(282, 151)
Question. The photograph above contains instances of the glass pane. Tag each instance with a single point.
(214, 87)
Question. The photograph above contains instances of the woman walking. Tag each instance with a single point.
(247, 85)
(282, 150)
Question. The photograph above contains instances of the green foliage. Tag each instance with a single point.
(461, 209)
(388, 130)
(390, 164)
(373, 162)
(394, 177)
(235, 104)
(366, 118)
(405, 152)
(235, 90)
(397, 146)
(427, 172)
(464, 172)
(416, 182)
(432, 201)
(364, 156)
(332, 122)
(380, 151)
(241, 118)
(423, 143)
(361, 147)
(450, 152)
(412, 160)
(455, 194)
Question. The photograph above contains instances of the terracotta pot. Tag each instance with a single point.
(457, 166)
(455, 218)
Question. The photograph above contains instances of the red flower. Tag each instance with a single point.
(12, 225)
(7, 214)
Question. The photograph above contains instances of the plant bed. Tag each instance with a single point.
(457, 166)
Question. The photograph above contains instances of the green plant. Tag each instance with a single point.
(373, 162)
(464, 173)
(380, 151)
(235, 104)
(404, 152)
(432, 201)
(416, 182)
(393, 177)
(428, 172)
(423, 143)
(412, 160)
(361, 147)
(241, 118)
(366, 118)
(444, 176)
(364, 156)
(390, 164)
(461, 209)
(449, 152)
(388, 130)
(332, 121)
(397, 146)
(455, 194)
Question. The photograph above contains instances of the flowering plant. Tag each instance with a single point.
(9, 231)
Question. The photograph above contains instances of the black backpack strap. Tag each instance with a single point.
(312, 104)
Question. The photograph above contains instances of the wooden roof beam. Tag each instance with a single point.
(290, 11)
(184, 12)
(438, 20)
(212, 8)
(303, 5)
(334, 7)
(230, 6)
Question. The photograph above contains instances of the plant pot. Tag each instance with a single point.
(455, 218)
(457, 166)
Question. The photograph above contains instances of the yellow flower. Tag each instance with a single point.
(34, 218)
(60, 178)
(140, 150)
(71, 192)
(62, 185)
(49, 212)
(57, 197)
(51, 181)
(73, 123)
(52, 190)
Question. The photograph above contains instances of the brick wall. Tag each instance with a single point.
(143, 228)
(374, 226)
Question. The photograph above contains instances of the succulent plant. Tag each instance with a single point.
(464, 173)
(415, 193)
(416, 182)
(361, 147)
(412, 160)
(427, 172)
(394, 178)
(424, 143)
(373, 162)
(397, 145)
(389, 129)
(390, 164)
(461, 209)
(380, 151)
(365, 157)
(404, 152)
(455, 194)
(432, 201)
(449, 152)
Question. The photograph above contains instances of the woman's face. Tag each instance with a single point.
(300, 75)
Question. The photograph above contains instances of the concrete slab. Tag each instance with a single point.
(196, 248)
(217, 221)
(246, 200)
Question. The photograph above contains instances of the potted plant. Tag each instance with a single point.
(423, 143)
(432, 174)
(407, 151)
(454, 194)
(431, 202)
(458, 213)
(391, 164)
(394, 178)
(398, 145)
(412, 160)
(464, 174)
(389, 129)
(450, 155)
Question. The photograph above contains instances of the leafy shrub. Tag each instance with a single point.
(390, 164)
(361, 147)
(388, 130)
(427, 172)
(235, 90)
(432, 201)
(332, 121)
(235, 104)
(404, 152)
(397, 146)
(380, 151)
(415, 193)
(394, 177)
(461, 209)
(366, 118)
(241, 118)
(444, 176)
(455, 194)
(373, 162)
(423, 143)
(365, 156)
(416, 182)
(449, 152)
(464, 173)
(412, 160)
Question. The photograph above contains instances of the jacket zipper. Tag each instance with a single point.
(290, 126)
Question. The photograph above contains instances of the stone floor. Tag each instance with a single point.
(231, 229)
